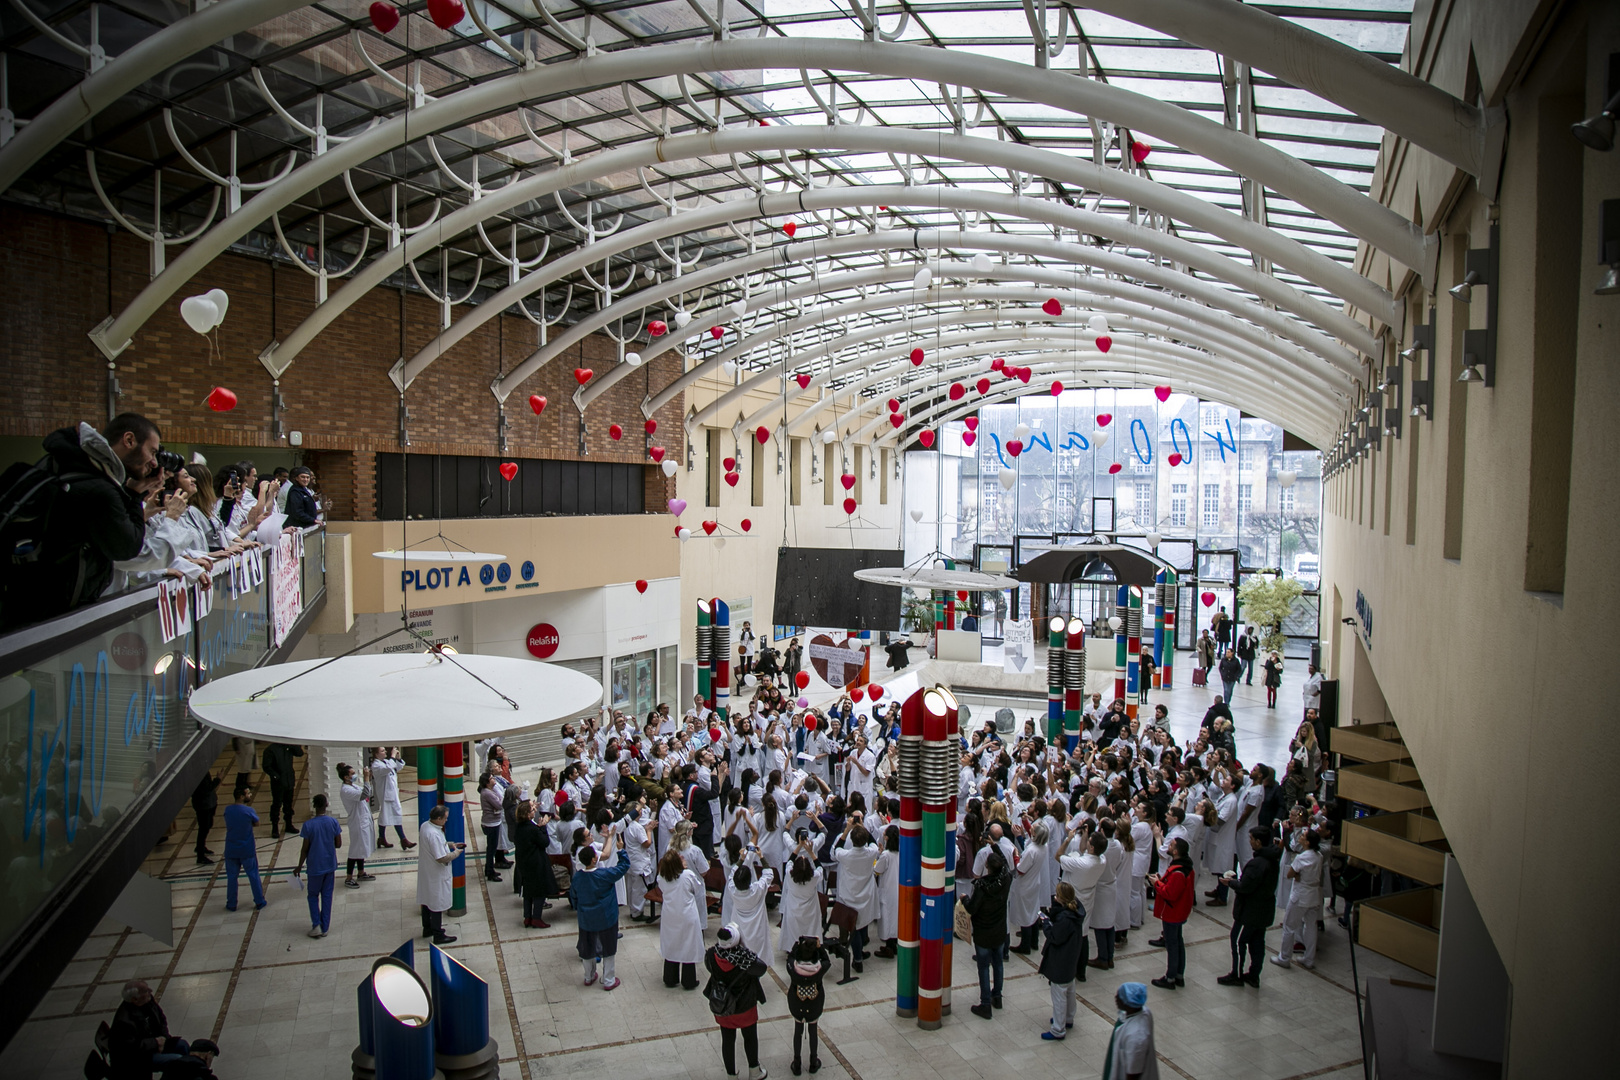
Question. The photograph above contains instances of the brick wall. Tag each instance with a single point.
(61, 277)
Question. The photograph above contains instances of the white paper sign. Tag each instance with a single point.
(1018, 647)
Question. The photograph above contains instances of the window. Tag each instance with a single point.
(1246, 459)
(1178, 505)
(1212, 453)
(860, 473)
(712, 467)
(1245, 498)
(795, 471)
(883, 476)
(756, 464)
(1210, 416)
(830, 471)
(1211, 515)
(1285, 500)
(1144, 502)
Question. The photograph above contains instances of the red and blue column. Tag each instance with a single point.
(1074, 681)
(909, 783)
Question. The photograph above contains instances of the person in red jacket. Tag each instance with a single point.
(1172, 905)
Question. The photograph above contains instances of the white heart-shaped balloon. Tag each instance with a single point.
(1113, 622)
(982, 264)
(221, 301)
(829, 435)
(719, 541)
(1008, 478)
(1021, 432)
(739, 308)
(682, 317)
(729, 367)
(922, 279)
(200, 313)
(1287, 477)
(633, 359)
(1153, 539)
(1099, 439)
(916, 515)
(668, 466)
(685, 535)
(1098, 324)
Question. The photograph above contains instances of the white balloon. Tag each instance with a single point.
(1098, 324)
(916, 515)
(1008, 478)
(982, 263)
(719, 541)
(221, 301)
(740, 308)
(199, 313)
(668, 466)
(1287, 477)
(749, 680)
(1113, 623)
(682, 317)
(1153, 539)
(1099, 438)
(829, 435)
(685, 535)
(633, 359)
(1021, 432)
(923, 279)
(729, 367)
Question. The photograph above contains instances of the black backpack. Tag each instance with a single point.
(29, 495)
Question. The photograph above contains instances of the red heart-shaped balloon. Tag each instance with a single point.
(858, 695)
(446, 13)
(961, 594)
(1114, 468)
(615, 432)
(641, 585)
(582, 375)
(968, 437)
(926, 437)
(221, 399)
(1208, 599)
(998, 363)
(763, 434)
(656, 453)
(896, 419)
(1057, 388)
(657, 328)
(1104, 343)
(1162, 392)
(717, 332)
(1104, 419)
(1024, 373)
(810, 722)
(972, 422)
(745, 524)
(894, 404)
(650, 427)
(1140, 151)
(1052, 306)
(957, 391)
(1015, 447)
(732, 478)
(508, 470)
(803, 380)
(983, 386)
(801, 679)
(729, 463)
(537, 403)
(874, 691)
(849, 506)
(384, 16)
(916, 357)
(790, 228)
(1174, 459)
(848, 480)
(710, 526)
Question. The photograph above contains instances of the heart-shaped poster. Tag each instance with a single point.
(677, 507)
(745, 524)
(1052, 307)
(537, 403)
(790, 228)
(1114, 468)
(384, 16)
(656, 453)
(710, 526)
(803, 380)
(1015, 447)
(1057, 388)
(508, 470)
(1104, 419)
(1208, 599)
(983, 386)
(896, 419)
(729, 463)
(657, 328)
(1104, 343)
(926, 437)
(1162, 392)
(848, 480)
(894, 405)
(969, 437)
(1140, 152)
(762, 434)
(221, 399)
(717, 332)
(1174, 459)
(849, 506)
(732, 478)
(916, 357)
(957, 391)
(582, 375)
(971, 423)
(615, 432)
(650, 427)
(998, 363)
(641, 585)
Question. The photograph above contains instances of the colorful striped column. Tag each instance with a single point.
(427, 782)
(937, 921)
(705, 652)
(1074, 681)
(720, 684)
(1055, 667)
(1167, 662)
(455, 829)
(1158, 628)
(1133, 651)
(1122, 604)
(953, 748)
(908, 779)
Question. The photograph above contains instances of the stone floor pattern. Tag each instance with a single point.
(282, 1005)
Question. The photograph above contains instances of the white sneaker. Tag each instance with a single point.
(1282, 961)
(1307, 967)
(758, 1074)
(314, 931)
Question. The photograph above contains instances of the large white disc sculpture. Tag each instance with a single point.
(396, 699)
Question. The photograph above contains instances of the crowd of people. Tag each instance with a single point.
(105, 511)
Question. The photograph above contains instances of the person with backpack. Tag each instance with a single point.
(734, 997)
(67, 519)
(807, 972)
(1061, 956)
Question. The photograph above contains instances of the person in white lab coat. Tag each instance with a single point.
(1083, 870)
(1220, 849)
(1131, 1053)
(386, 763)
(1103, 913)
(681, 923)
(357, 809)
(435, 886)
(638, 843)
(801, 901)
(1025, 899)
(862, 767)
(749, 912)
(1141, 858)
(1304, 903)
(856, 855)
(887, 873)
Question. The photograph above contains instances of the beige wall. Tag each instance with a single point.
(1502, 694)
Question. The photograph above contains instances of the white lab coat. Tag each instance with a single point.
(385, 782)
(435, 886)
(1025, 898)
(856, 886)
(1107, 902)
(862, 781)
(887, 873)
(1084, 872)
(684, 917)
(362, 835)
(1133, 1049)
(751, 915)
(1220, 850)
(801, 910)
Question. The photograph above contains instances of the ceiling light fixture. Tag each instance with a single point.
(1598, 131)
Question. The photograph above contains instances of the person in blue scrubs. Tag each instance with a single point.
(241, 853)
(322, 837)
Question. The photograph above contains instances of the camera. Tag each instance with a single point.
(800, 833)
(169, 461)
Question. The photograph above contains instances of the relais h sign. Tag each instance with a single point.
(543, 640)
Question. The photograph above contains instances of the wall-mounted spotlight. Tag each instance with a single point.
(1472, 370)
(1479, 346)
(1598, 131)
(1609, 247)
(1464, 290)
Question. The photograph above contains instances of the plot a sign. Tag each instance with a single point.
(1018, 647)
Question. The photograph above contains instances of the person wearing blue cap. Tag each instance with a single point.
(1131, 1055)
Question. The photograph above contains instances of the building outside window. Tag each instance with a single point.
(1285, 500)
(1144, 502)
(1245, 498)
(1212, 506)
(1246, 459)
(1178, 505)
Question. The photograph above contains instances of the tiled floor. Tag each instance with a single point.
(282, 1005)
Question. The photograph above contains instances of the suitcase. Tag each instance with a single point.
(1200, 677)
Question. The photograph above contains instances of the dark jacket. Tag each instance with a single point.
(135, 1032)
(1065, 934)
(276, 760)
(1214, 711)
(1256, 902)
(988, 907)
(1231, 668)
(302, 509)
(1245, 647)
(696, 798)
(1271, 806)
(533, 858)
(742, 979)
(61, 545)
(206, 795)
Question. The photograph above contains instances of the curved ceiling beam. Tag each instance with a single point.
(1310, 309)
(1337, 202)
(1382, 94)
(127, 71)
